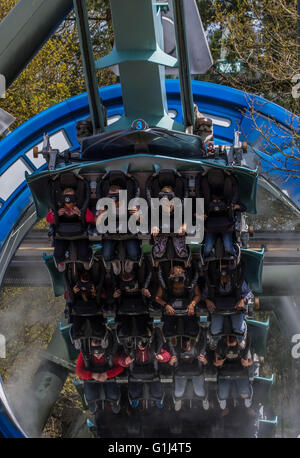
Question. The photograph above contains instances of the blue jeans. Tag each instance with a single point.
(132, 249)
(237, 322)
(135, 390)
(92, 391)
(198, 385)
(211, 238)
(242, 387)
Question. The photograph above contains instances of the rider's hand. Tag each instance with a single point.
(146, 292)
(93, 290)
(219, 362)
(245, 362)
(76, 211)
(210, 305)
(133, 211)
(61, 211)
(173, 360)
(128, 361)
(236, 207)
(117, 294)
(182, 230)
(169, 310)
(159, 357)
(191, 310)
(102, 377)
(240, 304)
(154, 230)
(76, 289)
(203, 359)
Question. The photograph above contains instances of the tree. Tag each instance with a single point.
(56, 74)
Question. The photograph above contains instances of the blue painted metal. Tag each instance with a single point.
(9, 427)
(8, 430)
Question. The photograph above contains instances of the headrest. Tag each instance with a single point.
(68, 180)
(167, 178)
(117, 178)
(216, 178)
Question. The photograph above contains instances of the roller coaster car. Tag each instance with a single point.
(57, 184)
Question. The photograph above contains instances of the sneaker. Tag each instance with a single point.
(159, 404)
(61, 267)
(205, 404)
(134, 404)
(222, 404)
(180, 246)
(92, 407)
(115, 407)
(128, 266)
(247, 402)
(177, 405)
(116, 267)
(160, 245)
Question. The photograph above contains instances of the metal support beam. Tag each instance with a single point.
(184, 66)
(24, 31)
(96, 108)
(138, 51)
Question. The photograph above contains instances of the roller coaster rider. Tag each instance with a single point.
(84, 287)
(188, 359)
(220, 191)
(147, 356)
(160, 237)
(179, 294)
(101, 368)
(69, 213)
(234, 357)
(131, 289)
(226, 291)
(132, 247)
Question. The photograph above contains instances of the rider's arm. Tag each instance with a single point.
(89, 217)
(246, 292)
(197, 295)
(50, 217)
(116, 369)
(159, 297)
(81, 370)
(166, 356)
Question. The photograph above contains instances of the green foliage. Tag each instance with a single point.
(262, 34)
(56, 74)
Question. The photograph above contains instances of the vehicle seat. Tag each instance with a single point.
(166, 177)
(121, 179)
(57, 184)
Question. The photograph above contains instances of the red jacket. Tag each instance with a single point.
(111, 373)
(89, 217)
